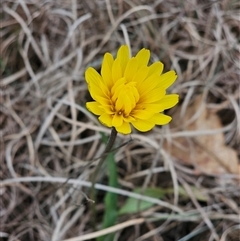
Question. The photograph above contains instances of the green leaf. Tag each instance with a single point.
(110, 200)
(134, 205)
(198, 193)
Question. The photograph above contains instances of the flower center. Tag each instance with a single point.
(124, 97)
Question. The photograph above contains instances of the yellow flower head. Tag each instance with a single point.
(128, 91)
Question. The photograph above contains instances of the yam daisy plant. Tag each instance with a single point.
(129, 92)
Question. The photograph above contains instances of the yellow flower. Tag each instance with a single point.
(128, 91)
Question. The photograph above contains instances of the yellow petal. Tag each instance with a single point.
(117, 72)
(102, 100)
(93, 76)
(123, 56)
(141, 75)
(117, 120)
(167, 102)
(125, 128)
(152, 107)
(129, 103)
(131, 69)
(106, 70)
(125, 102)
(119, 103)
(167, 79)
(94, 107)
(160, 119)
(95, 91)
(156, 68)
(106, 119)
(116, 89)
(153, 96)
(94, 80)
(142, 114)
(135, 93)
(118, 84)
(108, 109)
(128, 119)
(142, 125)
(143, 57)
(148, 84)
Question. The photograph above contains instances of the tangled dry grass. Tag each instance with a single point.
(48, 137)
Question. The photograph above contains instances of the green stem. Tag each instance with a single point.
(108, 148)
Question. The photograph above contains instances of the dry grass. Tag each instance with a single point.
(47, 135)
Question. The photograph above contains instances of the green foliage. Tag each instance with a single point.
(134, 205)
(110, 201)
(198, 193)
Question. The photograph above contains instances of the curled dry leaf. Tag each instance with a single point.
(206, 152)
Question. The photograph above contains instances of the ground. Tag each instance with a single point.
(176, 182)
